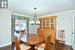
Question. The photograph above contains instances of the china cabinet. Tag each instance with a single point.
(48, 27)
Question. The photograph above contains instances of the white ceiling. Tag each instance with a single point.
(43, 6)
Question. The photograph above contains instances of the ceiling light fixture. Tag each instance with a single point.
(35, 21)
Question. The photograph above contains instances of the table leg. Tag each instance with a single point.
(32, 47)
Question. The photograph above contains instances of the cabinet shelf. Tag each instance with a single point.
(48, 27)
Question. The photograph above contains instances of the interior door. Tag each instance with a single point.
(73, 34)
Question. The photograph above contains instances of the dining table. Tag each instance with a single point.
(33, 40)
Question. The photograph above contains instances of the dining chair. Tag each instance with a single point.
(41, 46)
(19, 46)
(47, 43)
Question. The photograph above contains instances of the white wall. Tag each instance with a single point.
(64, 21)
(5, 27)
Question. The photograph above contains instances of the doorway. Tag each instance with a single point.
(19, 23)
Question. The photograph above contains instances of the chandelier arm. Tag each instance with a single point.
(35, 17)
(35, 20)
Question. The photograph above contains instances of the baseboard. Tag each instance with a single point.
(6, 47)
(68, 44)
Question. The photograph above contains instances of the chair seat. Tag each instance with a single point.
(41, 47)
(23, 47)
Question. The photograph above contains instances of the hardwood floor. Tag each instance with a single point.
(9, 47)
(67, 47)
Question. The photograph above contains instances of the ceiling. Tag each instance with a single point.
(44, 7)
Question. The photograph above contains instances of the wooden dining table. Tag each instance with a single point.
(34, 40)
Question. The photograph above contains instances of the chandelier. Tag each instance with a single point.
(35, 20)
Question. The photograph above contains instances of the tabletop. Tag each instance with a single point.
(34, 39)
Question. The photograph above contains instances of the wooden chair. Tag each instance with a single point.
(41, 47)
(20, 47)
(47, 43)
